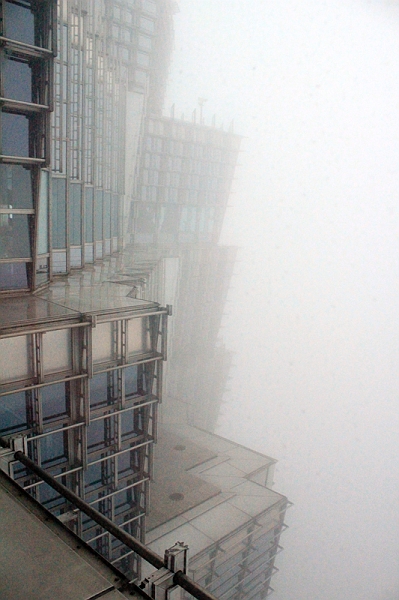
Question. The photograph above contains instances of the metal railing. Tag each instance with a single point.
(179, 578)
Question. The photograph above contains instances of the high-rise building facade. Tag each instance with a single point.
(109, 212)
(27, 50)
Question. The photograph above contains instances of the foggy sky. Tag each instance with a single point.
(313, 310)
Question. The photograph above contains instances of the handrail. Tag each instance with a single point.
(179, 578)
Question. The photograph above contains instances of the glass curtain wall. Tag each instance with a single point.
(26, 91)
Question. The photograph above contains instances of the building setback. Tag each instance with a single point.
(109, 213)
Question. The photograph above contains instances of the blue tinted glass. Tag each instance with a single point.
(98, 389)
(17, 77)
(13, 413)
(19, 23)
(52, 448)
(54, 400)
(131, 387)
(15, 134)
(13, 276)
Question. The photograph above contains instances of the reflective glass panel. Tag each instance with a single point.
(42, 240)
(17, 77)
(16, 187)
(54, 401)
(58, 211)
(98, 225)
(89, 214)
(15, 135)
(19, 23)
(13, 276)
(75, 213)
(13, 413)
(15, 236)
(131, 386)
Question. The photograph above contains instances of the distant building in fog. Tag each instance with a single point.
(216, 495)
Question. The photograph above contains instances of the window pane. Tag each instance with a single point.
(13, 413)
(107, 215)
(53, 448)
(99, 216)
(15, 357)
(42, 239)
(15, 135)
(54, 403)
(17, 77)
(75, 213)
(16, 186)
(57, 351)
(19, 23)
(131, 388)
(13, 276)
(89, 214)
(15, 236)
(58, 213)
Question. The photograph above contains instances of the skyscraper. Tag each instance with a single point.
(109, 213)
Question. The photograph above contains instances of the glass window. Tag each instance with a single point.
(103, 348)
(93, 476)
(17, 78)
(13, 415)
(149, 6)
(138, 335)
(16, 186)
(143, 59)
(128, 424)
(13, 276)
(114, 215)
(107, 215)
(57, 351)
(58, 213)
(100, 434)
(89, 193)
(169, 219)
(75, 217)
(19, 23)
(15, 236)
(42, 240)
(131, 386)
(15, 355)
(98, 225)
(54, 401)
(15, 134)
(103, 389)
(147, 25)
(53, 448)
(145, 42)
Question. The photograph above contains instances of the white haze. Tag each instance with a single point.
(313, 312)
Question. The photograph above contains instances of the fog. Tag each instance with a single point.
(312, 314)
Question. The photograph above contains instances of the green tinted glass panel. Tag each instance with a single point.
(42, 238)
(75, 217)
(58, 211)
(15, 186)
(15, 236)
(89, 192)
(98, 222)
(107, 215)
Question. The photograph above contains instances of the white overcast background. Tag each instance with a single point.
(313, 311)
